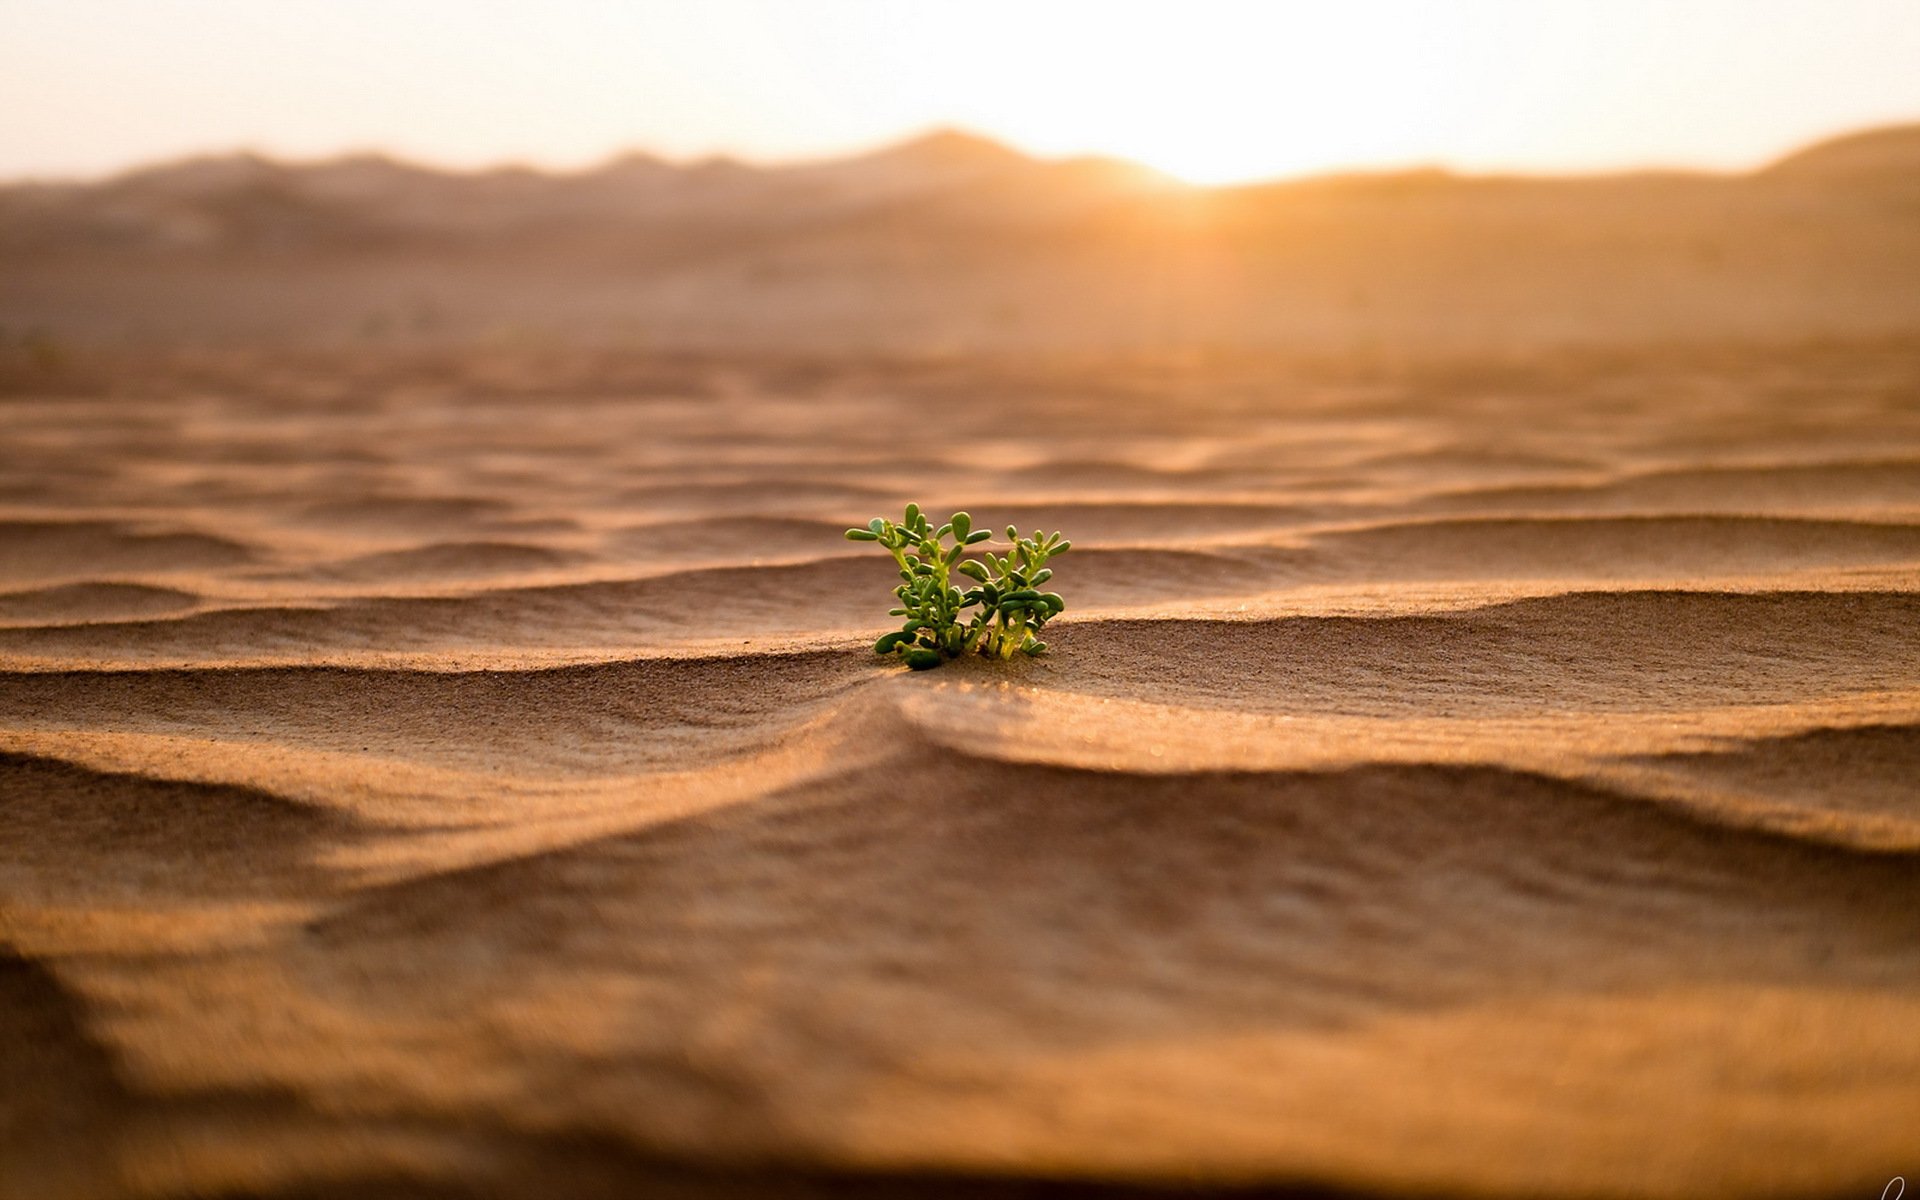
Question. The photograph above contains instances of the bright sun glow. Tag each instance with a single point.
(1209, 90)
(1225, 94)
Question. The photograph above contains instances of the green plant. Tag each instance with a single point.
(998, 616)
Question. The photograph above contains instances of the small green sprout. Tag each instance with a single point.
(998, 617)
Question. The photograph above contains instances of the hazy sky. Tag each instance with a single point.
(1209, 90)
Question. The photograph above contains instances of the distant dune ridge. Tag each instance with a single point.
(954, 242)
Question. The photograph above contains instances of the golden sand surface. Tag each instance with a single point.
(467, 775)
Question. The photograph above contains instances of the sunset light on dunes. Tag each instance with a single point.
(959, 599)
(1210, 91)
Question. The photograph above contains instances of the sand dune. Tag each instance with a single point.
(952, 245)
(468, 776)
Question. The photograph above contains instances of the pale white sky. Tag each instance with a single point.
(1208, 89)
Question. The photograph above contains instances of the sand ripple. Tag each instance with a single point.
(1469, 783)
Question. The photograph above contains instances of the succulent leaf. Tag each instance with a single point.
(997, 618)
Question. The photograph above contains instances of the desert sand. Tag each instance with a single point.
(462, 771)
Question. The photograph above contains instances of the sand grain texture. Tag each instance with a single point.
(467, 776)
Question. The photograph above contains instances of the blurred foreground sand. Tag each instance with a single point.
(466, 775)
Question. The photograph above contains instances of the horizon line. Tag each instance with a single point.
(917, 137)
